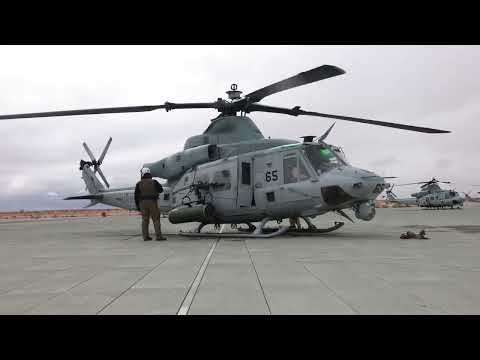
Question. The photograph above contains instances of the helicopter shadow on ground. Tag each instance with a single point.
(434, 209)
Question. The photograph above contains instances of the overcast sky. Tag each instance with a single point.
(432, 86)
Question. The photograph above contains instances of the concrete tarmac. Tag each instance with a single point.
(102, 266)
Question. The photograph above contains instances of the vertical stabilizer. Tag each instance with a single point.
(93, 185)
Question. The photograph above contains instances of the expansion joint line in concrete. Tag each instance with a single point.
(333, 291)
(192, 291)
(62, 293)
(417, 299)
(136, 282)
(258, 278)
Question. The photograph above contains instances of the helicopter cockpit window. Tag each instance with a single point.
(323, 158)
(303, 173)
(221, 180)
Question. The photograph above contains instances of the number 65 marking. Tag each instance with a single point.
(271, 176)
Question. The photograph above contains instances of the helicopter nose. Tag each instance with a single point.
(352, 184)
(367, 184)
(364, 184)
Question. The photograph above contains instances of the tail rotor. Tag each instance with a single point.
(390, 195)
(96, 163)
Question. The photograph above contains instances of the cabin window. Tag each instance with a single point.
(166, 197)
(246, 177)
(179, 157)
(221, 180)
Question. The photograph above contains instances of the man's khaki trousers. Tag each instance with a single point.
(149, 210)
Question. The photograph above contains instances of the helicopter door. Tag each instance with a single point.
(245, 182)
(266, 181)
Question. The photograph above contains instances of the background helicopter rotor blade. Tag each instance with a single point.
(303, 78)
(296, 111)
(100, 160)
(124, 109)
(415, 183)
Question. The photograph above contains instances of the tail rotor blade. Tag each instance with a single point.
(89, 153)
(100, 160)
(103, 177)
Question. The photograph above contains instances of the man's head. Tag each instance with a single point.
(145, 173)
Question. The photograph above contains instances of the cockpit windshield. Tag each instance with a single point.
(323, 158)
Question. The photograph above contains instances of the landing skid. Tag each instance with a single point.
(313, 231)
(263, 233)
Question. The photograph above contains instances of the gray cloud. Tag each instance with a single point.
(435, 86)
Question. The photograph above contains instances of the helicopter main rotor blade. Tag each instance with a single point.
(113, 110)
(306, 77)
(296, 111)
(324, 136)
(100, 160)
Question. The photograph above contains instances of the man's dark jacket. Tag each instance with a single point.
(153, 195)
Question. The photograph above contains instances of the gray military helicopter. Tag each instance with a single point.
(429, 196)
(472, 199)
(232, 174)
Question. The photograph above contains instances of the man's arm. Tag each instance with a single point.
(158, 186)
(137, 195)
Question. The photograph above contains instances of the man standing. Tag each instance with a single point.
(147, 191)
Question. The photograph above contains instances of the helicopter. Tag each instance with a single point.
(232, 174)
(429, 196)
(472, 199)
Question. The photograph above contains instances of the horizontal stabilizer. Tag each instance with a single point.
(84, 197)
(92, 203)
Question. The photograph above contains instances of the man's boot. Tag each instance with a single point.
(160, 237)
(148, 238)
